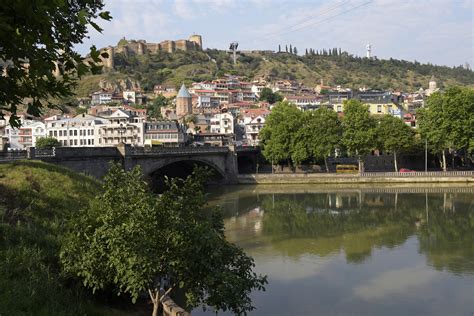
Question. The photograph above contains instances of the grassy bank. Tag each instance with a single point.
(36, 201)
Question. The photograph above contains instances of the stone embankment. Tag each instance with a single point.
(367, 178)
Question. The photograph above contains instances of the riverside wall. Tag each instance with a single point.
(351, 179)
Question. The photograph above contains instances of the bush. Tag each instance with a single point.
(47, 142)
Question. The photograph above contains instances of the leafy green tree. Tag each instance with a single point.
(34, 36)
(279, 131)
(271, 97)
(359, 130)
(447, 121)
(395, 136)
(321, 132)
(154, 109)
(135, 242)
(47, 142)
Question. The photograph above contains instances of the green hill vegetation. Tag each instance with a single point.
(36, 200)
(339, 68)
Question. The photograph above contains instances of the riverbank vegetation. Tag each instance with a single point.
(292, 137)
(115, 238)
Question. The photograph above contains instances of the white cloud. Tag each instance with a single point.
(395, 282)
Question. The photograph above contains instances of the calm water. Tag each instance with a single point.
(356, 251)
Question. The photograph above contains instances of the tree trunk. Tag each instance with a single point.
(326, 163)
(395, 160)
(155, 298)
(361, 166)
(444, 160)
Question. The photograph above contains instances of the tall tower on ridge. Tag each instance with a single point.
(369, 50)
(184, 102)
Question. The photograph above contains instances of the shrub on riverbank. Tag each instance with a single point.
(36, 199)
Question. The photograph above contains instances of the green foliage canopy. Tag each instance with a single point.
(394, 135)
(447, 121)
(36, 34)
(279, 131)
(271, 97)
(133, 241)
(47, 142)
(358, 128)
(320, 132)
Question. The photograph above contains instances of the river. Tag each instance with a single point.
(355, 250)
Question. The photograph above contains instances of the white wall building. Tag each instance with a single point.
(252, 130)
(222, 123)
(123, 127)
(79, 131)
(26, 135)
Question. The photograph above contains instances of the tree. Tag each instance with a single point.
(278, 133)
(154, 109)
(279, 48)
(358, 130)
(35, 36)
(395, 136)
(286, 48)
(136, 242)
(447, 121)
(321, 132)
(47, 142)
(271, 97)
(295, 51)
(291, 49)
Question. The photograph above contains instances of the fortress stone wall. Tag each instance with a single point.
(141, 47)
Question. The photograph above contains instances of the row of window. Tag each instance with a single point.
(75, 142)
(60, 133)
(162, 136)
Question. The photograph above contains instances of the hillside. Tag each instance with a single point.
(36, 201)
(342, 69)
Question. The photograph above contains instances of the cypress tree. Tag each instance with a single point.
(279, 48)
(286, 48)
(291, 49)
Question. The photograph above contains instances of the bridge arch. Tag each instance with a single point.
(181, 167)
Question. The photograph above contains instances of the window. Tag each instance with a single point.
(379, 108)
(75, 132)
(70, 132)
(50, 133)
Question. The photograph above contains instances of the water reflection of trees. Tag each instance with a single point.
(315, 223)
(358, 222)
(447, 236)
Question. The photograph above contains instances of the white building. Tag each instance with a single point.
(101, 97)
(252, 130)
(26, 135)
(122, 127)
(79, 131)
(222, 123)
(129, 96)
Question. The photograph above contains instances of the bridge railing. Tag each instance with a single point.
(419, 174)
(176, 150)
(13, 155)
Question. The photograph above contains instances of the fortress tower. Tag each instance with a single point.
(197, 39)
(184, 102)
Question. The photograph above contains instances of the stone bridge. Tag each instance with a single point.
(95, 161)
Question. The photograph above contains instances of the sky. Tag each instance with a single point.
(429, 31)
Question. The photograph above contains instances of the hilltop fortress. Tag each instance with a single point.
(141, 47)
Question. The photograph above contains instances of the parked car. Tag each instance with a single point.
(406, 170)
